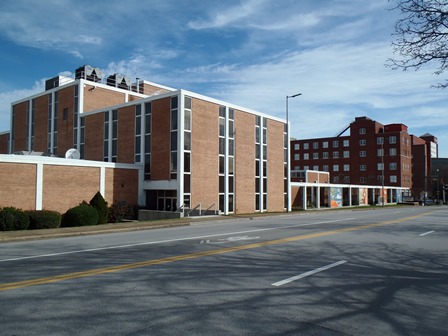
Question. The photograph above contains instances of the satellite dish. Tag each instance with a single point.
(72, 153)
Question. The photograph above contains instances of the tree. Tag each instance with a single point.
(421, 36)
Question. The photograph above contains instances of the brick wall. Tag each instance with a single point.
(20, 127)
(4, 149)
(244, 162)
(205, 155)
(18, 185)
(121, 186)
(94, 137)
(65, 187)
(276, 184)
(65, 127)
(99, 97)
(160, 139)
(126, 134)
(41, 124)
(65, 183)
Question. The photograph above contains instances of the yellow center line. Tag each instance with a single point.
(112, 269)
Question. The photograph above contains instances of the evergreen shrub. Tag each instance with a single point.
(100, 205)
(81, 215)
(44, 219)
(6, 220)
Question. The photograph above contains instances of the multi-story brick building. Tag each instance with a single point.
(193, 150)
(373, 154)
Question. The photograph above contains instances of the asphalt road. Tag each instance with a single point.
(372, 272)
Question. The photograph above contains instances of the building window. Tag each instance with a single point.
(173, 139)
(335, 143)
(346, 154)
(306, 156)
(261, 176)
(392, 151)
(335, 179)
(380, 166)
(325, 168)
(296, 156)
(362, 153)
(335, 168)
(315, 145)
(187, 148)
(362, 142)
(315, 156)
(138, 134)
(393, 166)
(393, 179)
(76, 122)
(380, 152)
(316, 168)
(346, 143)
(362, 167)
(346, 167)
(147, 143)
(306, 167)
(346, 179)
(114, 134)
(325, 144)
(380, 140)
(392, 139)
(305, 145)
(325, 155)
(362, 131)
(296, 146)
(335, 155)
(231, 159)
(362, 179)
(106, 136)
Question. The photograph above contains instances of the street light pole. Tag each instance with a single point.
(288, 163)
(382, 172)
(437, 186)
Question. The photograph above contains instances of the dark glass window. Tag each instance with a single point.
(187, 164)
(174, 102)
(187, 103)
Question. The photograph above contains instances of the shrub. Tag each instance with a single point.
(6, 220)
(118, 212)
(21, 220)
(80, 215)
(44, 219)
(100, 205)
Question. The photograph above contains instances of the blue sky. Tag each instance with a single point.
(252, 53)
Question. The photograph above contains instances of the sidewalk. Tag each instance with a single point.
(23, 235)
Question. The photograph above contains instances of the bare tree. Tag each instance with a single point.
(421, 36)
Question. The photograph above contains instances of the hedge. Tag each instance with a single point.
(20, 220)
(100, 205)
(80, 215)
(44, 219)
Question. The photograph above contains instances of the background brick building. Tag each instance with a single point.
(372, 154)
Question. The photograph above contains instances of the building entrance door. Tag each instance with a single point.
(167, 203)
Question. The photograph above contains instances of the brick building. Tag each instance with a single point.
(193, 150)
(373, 154)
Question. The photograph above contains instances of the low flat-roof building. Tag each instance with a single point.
(194, 150)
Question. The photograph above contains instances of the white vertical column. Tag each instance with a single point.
(103, 181)
(39, 185)
(304, 200)
(318, 197)
(180, 148)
